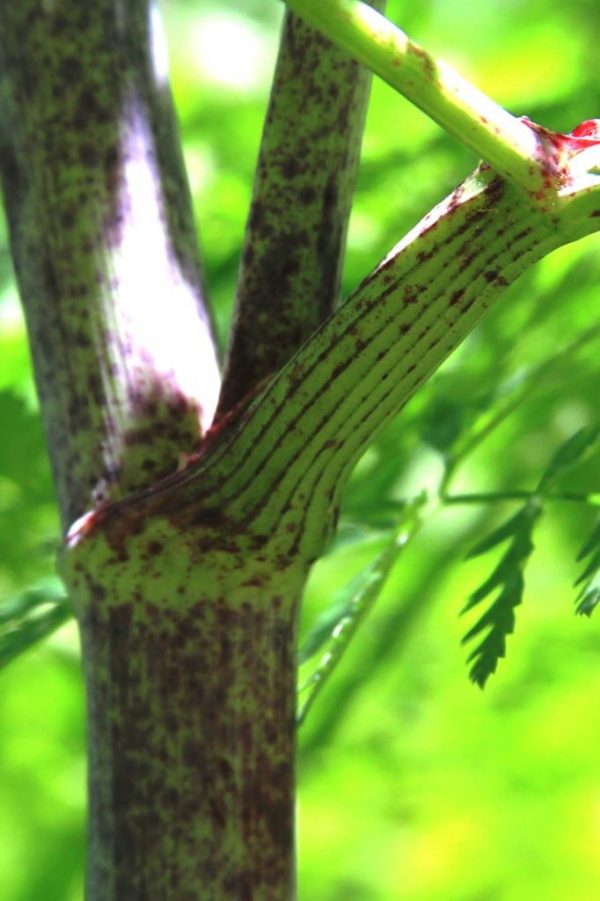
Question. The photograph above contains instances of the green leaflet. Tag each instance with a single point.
(571, 451)
(507, 577)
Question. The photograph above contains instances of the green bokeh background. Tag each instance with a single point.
(413, 784)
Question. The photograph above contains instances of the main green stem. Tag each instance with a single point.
(190, 661)
(238, 528)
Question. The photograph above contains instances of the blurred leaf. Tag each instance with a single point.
(443, 422)
(29, 617)
(28, 513)
(499, 619)
(18, 606)
(589, 599)
(371, 496)
(339, 623)
(589, 596)
(340, 609)
(23, 458)
(460, 398)
(571, 451)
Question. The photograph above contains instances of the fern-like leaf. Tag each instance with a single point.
(499, 619)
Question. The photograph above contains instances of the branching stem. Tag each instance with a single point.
(507, 143)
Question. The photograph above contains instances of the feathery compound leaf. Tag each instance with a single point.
(499, 618)
(589, 595)
(498, 536)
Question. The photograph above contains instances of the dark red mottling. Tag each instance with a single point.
(192, 710)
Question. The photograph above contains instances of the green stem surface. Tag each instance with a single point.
(289, 279)
(190, 663)
(104, 245)
(280, 467)
(507, 143)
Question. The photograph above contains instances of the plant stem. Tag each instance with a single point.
(494, 497)
(190, 665)
(104, 245)
(289, 277)
(362, 603)
(282, 468)
(507, 143)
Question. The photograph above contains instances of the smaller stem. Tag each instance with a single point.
(346, 629)
(290, 270)
(507, 143)
(493, 497)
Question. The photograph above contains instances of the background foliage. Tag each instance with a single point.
(414, 785)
